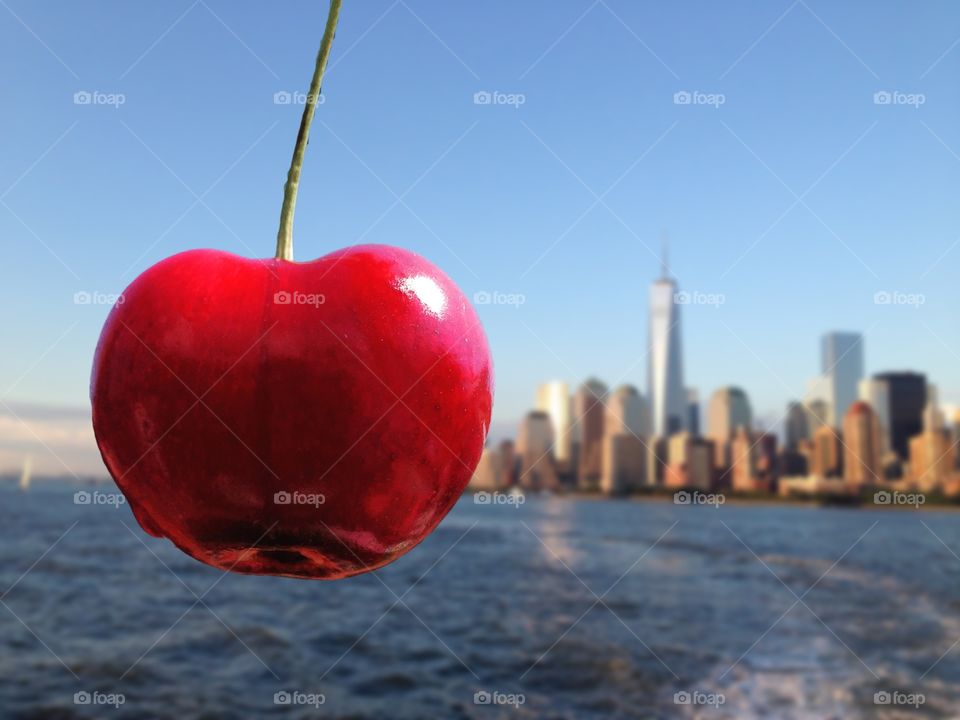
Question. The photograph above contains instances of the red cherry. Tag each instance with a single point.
(310, 419)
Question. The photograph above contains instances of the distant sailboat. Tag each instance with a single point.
(25, 475)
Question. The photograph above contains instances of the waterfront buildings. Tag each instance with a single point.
(537, 470)
(876, 393)
(825, 458)
(728, 411)
(589, 412)
(862, 446)
(907, 393)
(553, 398)
(932, 459)
(627, 412)
(796, 426)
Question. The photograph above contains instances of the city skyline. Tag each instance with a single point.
(579, 433)
(850, 432)
(669, 407)
(903, 443)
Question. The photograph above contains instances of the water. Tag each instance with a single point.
(694, 599)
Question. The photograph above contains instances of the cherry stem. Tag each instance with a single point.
(285, 234)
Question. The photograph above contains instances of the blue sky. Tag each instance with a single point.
(796, 200)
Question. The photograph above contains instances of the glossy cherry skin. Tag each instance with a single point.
(311, 419)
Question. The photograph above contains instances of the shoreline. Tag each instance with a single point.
(833, 502)
(931, 503)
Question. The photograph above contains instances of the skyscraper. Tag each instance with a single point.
(743, 472)
(841, 362)
(658, 456)
(693, 411)
(932, 459)
(877, 394)
(932, 414)
(819, 402)
(728, 411)
(862, 446)
(690, 462)
(955, 437)
(624, 463)
(490, 471)
(753, 465)
(668, 399)
(817, 413)
(534, 443)
(907, 392)
(826, 459)
(627, 412)
(553, 398)
(588, 412)
(796, 426)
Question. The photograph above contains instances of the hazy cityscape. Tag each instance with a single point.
(885, 434)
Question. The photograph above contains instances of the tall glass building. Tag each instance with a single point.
(553, 398)
(668, 397)
(841, 361)
(907, 395)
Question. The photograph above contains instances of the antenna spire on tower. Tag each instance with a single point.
(664, 255)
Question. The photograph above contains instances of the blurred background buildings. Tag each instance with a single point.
(849, 433)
